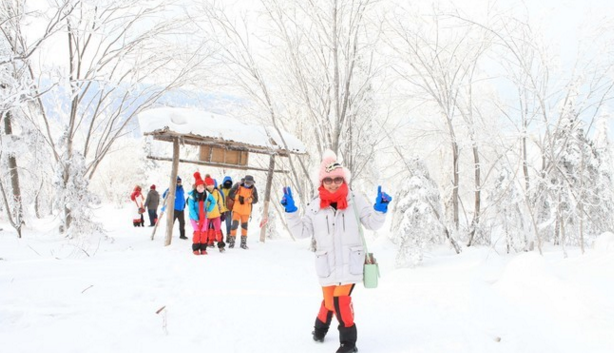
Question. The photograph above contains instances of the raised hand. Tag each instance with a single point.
(382, 200)
(288, 201)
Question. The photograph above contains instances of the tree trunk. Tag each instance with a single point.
(17, 212)
(476, 215)
(455, 157)
(267, 198)
(66, 168)
(336, 83)
(581, 206)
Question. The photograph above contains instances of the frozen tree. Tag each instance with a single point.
(505, 200)
(438, 57)
(601, 200)
(308, 69)
(17, 92)
(416, 225)
(76, 197)
(121, 57)
(575, 190)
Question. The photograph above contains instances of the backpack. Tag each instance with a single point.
(229, 203)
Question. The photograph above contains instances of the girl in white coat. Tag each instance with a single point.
(332, 220)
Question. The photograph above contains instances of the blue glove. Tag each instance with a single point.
(382, 200)
(287, 201)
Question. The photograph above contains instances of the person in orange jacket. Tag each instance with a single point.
(244, 195)
(214, 221)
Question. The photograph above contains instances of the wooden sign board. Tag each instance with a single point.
(220, 155)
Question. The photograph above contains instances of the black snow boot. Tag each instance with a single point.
(320, 328)
(319, 331)
(231, 242)
(347, 338)
(244, 242)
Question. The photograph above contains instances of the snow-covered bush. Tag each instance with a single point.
(415, 224)
(73, 198)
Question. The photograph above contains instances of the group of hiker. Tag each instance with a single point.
(208, 205)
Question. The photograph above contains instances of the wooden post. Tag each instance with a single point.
(170, 199)
(267, 197)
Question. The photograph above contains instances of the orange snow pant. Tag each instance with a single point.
(337, 300)
(236, 219)
(199, 237)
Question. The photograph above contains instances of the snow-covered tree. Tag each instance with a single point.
(120, 58)
(601, 200)
(416, 224)
(438, 58)
(505, 201)
(307, 68)
(20, 142)
(575, 191)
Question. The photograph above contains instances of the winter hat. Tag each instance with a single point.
(153, 187)
(209, 180)
(198, 180)
(331, 168)
(249, 180)
(178, 178)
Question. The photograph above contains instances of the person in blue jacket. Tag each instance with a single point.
(200, 202)
(179, 207)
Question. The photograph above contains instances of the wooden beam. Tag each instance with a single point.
(233, 146)
(214, 164)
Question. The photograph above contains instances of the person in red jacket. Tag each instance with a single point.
(139, 207)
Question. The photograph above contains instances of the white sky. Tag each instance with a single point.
(565, 20)
(562, 20)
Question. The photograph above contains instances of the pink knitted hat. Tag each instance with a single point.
(331, 168)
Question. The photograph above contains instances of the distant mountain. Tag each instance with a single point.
(57, 100)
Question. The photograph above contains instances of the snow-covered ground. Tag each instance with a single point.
(103, 296)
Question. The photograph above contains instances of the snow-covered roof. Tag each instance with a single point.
(222, 128)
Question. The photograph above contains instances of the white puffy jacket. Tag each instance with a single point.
(339, 252)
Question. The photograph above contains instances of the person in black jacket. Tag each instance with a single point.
(151, 203)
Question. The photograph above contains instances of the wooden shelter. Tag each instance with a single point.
(223, 142)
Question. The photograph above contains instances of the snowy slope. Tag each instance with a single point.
(56, 298)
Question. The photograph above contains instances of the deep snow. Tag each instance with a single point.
(102, 295)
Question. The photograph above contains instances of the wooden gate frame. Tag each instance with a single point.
(195, 140)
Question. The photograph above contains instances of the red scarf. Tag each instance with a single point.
(339, 196)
